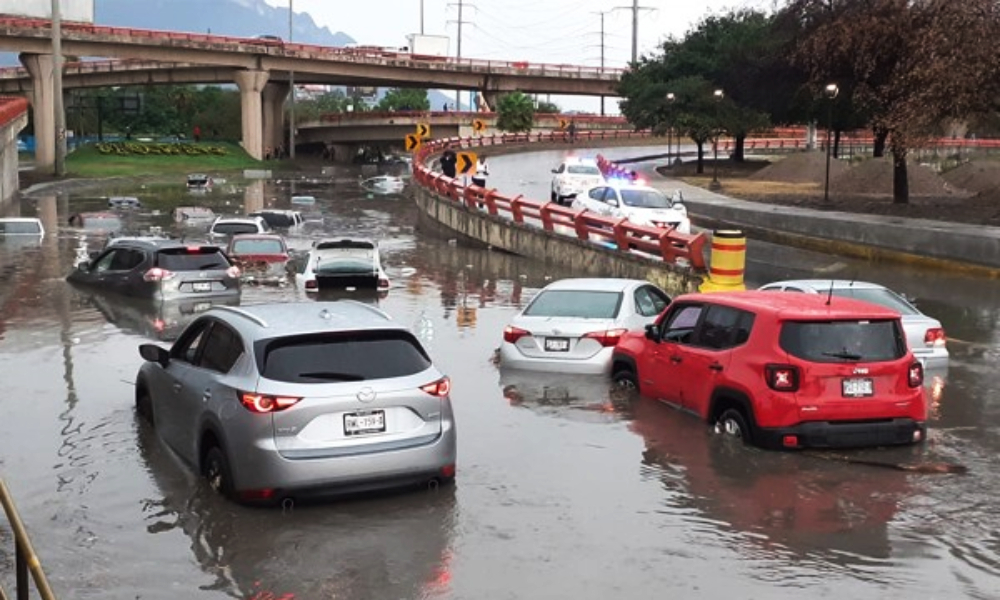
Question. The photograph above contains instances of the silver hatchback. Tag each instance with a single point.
(286, 400)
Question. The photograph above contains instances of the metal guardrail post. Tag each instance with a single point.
(26, 559)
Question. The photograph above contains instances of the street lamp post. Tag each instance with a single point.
(718, 96)
(291, 87)
(59, 113)
(831, 92)
(670, 98)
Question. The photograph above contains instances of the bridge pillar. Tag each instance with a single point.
(273, 97)
(43, 106)
(492, 98)
(251, 84)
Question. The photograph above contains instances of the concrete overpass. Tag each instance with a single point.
(260, 68)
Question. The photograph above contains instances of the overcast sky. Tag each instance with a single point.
(555, 31)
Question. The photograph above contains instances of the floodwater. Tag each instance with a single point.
(566, 488)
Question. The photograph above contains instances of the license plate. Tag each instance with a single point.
(201, 307)
(202, 286)
(857, 388)
(557, 344)
(361, 423)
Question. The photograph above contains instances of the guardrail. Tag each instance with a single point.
(640, 240)
(26, 561)
(11, 108)
(470, 115)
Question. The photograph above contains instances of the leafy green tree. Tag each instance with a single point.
(547, 108)
(515, 112)
(404, 99)
(335, 101)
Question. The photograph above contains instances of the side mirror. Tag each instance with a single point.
(93, 255)
(612, 202)
(83, 266)
(555, 170)
(154, 353)
(652, 333)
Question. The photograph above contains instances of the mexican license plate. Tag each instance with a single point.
(201, 306)
(857, 388)
(202, 286)
(362, 423)
(553, 344)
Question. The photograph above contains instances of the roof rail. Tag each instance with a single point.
(239, 311)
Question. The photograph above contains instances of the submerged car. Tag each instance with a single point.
(340, 264)
(276, 218)
(193, 215)
(573, 177)
(160, 269)
(639, 203)
(199, 182)
(223, 227)
(384, 184)
(261, 257)
(573, 325)
(124, 202)
(21, 227)
(98, 222)
(282, 401)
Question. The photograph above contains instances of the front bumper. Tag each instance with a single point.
(836, 434)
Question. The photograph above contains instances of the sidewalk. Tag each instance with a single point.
(932, 243)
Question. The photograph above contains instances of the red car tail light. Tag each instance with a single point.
(511, 334)
(782, 378)
(935, 337)
(383, 283)
(263, 403)
(158, 274)
(915, 375)
(312, 285)
(233, 271)
(606, 338)
(439, 388)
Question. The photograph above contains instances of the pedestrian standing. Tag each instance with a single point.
(482, 172)
(572, 131)
(448, 162)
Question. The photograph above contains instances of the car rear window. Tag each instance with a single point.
(881, 297)
(843, 341)
(20, 228)
(196, 258)
(583, 170)
(277, 219)
(338, 357)
(583, 304)
(235, 228)
(258, 247)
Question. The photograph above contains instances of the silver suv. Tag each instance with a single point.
(228, 226)
(279, 401)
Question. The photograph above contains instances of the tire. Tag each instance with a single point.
(733, 423)
(554, 197)
(216, 470)
(625, 378)
(144, 407)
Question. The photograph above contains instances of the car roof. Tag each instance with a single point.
(819, 285)
(297, 318)
(97, 215)
(794, 306)
(257, 236)
(584, 284)
(580, 160)
(20, 219)
(274, 211)
(153, 243)
(249, 219)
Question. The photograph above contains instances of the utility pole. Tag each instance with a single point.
(291, 88)
(57, 90)
(458, 54)
(635, 8)
(601, 14)
(421, 17)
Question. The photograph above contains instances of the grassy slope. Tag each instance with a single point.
(88, 162)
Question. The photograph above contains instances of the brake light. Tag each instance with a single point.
(193, 249)
(312, 285)
(158, 274)
(439, 388)
(935, 337)
(606, 338)
(263, 403)
(915, 376)
(233, 271)
(782, 378)
(511, 334)
(383, 283)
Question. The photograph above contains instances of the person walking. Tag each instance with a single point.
(572, 131)
(448, 162)
(482, 172)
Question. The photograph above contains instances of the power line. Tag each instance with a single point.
(635, 8)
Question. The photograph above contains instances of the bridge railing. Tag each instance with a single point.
(25, 560)
(667, 244)
(11, 107)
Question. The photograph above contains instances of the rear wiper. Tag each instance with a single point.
(844, 354)
(333, 376)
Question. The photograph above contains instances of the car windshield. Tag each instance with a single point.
(882, 297)
(196, 258)
(582, 170)
(840, 341)
(350, 356)
(645, 199)
(20, 228)
(582, 304)
(234, 228)
(258, 246)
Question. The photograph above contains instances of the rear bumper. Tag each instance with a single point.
(598, 364)
(853, 434)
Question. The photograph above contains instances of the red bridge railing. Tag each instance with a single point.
(11, 108)
(640, 240)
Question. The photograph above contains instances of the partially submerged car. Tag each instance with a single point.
(384, 184)
(276, 217)
(96, 221)
(199, 181)
(21, 227)
(193, 215)
(261, 257)
(227, 226)
(341, 264)
(124, 202)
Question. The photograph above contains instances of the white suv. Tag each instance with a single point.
(640, 204)
(229, 226)
(575, 176)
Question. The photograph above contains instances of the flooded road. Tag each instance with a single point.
(565, 489)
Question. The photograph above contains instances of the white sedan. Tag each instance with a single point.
(640, 204)
(343, 264)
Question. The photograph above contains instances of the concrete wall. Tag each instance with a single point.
(8, 155)
(550, 248)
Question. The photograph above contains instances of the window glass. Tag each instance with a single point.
(724, 327)
(582, 304)
(235, 228)
(103, 262)
(843, 341)
(561, 169)
(126, 260)
(583, 170)
(331, 358)
(680, 325)
(197, 258)
(186, 348)
(20, 227)
(882, 297)
(222, 349)
(597, 193)
(649, 301)
(645, 198)
(258, 246)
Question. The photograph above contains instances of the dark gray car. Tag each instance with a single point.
(160, 269)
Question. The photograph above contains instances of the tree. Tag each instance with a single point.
(405, 99)
(912, 63)
(515, 112)
(547, 108)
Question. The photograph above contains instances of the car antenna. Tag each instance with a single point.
(829, 294)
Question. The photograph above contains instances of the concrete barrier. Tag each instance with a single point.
(13, 118)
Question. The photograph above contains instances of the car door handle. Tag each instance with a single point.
(715, 367)
(206, 396)
(177, 387)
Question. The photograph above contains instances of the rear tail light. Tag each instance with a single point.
(233, 271)
(511, 334)
(158, 274)
(439, 388)
(935, 337)
(312, 285)
(383, 283)
(915, 376)
(606, 338)
(194, 249)
(782, 378)
(790, 441)
(263, 403)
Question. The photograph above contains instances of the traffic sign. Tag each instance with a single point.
(423, 130)
(563, 123)
(478, 125)
(467, 163)
(412, 142)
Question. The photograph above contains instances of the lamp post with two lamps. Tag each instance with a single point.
(831, 92)
(670, 97)
(718, 95)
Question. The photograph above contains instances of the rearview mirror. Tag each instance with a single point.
(154, 353)
(652, 333)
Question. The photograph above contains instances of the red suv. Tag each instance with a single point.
(782, 370)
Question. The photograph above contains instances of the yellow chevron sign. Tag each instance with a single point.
(423, 130)
(412, 142)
